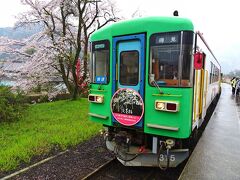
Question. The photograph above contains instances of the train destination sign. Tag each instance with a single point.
(167, 39)
(100, 45)
(127, 106)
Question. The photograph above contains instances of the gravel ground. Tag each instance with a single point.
(74, 164)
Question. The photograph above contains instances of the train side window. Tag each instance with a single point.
(212, 73)
(100, 62)
(187, 66)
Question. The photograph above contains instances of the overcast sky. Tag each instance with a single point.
(218, 20)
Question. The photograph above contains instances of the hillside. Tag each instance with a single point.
(19, 33)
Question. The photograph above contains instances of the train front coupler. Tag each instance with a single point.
(166, 154)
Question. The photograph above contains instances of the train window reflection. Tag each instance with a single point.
(101, 62)
(165, 60)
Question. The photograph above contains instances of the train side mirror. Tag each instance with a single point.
(198, 60)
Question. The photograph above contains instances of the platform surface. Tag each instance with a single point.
(217, 154)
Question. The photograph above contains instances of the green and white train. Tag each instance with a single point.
(152, 82)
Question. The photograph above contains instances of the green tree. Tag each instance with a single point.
(11, 105)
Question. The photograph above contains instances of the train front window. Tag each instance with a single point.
(170, 59)
(164, 55)
(100, 62)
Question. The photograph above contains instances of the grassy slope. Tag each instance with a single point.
(62, 123)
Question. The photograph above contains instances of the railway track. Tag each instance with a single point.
(115, 170)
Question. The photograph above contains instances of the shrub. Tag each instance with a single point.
(11, 105)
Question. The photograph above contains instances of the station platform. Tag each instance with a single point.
(217, 154)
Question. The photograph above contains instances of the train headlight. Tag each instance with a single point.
(99, 99)
(169, 106)
(95, 98)
(160, 105)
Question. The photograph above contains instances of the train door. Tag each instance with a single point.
(199, 93)
(128, 75)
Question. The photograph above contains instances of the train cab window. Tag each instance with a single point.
(100, 62)
(164, 57)
(171, 58)
(129, 68)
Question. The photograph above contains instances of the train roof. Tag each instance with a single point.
(140, 25)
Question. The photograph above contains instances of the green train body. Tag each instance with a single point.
(161, 136)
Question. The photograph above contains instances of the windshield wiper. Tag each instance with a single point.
(99, 86)
(153, 82)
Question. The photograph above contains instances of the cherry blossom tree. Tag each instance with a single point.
(37, 64)
(67, 25)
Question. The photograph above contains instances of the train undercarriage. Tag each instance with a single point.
(133, 148)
